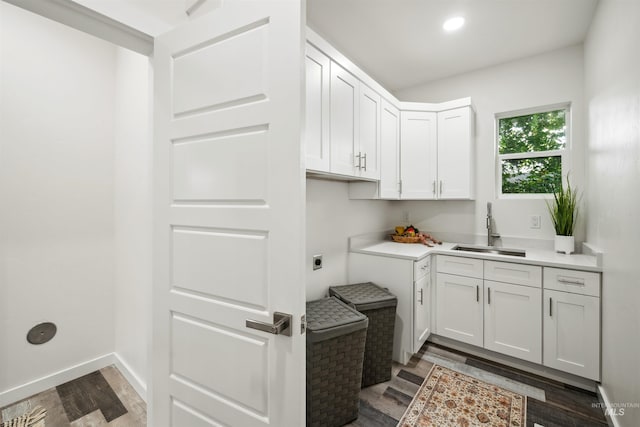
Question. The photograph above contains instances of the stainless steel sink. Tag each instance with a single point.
(490, 250)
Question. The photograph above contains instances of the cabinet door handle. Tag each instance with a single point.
(359, 157)
(433, 186)
(440, 188)
(489, 296)
(400, 186)
(550, 307)
(571, 281)
(477, 293)
(421, 296)
(364, 157)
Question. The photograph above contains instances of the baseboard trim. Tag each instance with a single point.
(60, 377)
(612, 421)
(52, 380)
(136, 382)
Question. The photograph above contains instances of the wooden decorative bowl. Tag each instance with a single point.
(405, 239)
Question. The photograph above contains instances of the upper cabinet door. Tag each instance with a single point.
(389, 151)
(418, 155)
(456, 158)
(369, 125)
(344, 122)
(318, 76)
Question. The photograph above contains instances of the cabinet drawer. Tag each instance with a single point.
(421, 268)
(460, 266)
(507, 272)
(577, 282)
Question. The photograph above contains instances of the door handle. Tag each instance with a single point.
(550, 307)
(364, 157)
(489, 296)
(359, 157)
(281, 324)
(421, 296)
(440, 188)
(433, 187)
(477, 293)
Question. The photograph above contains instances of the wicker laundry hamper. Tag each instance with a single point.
(336, 335)
(379, 305)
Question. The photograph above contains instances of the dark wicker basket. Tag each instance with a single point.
(379, 305)
(335, 350)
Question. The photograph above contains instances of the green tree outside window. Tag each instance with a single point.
(530, 149)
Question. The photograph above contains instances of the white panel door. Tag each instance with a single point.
(389, 151)
(572, 333)
(455, 154)
(229, 197)
(459, 314)
(418, 155)
(422, 311)
(369, 132)
(345, 114)
(318, 76)
(513, 320)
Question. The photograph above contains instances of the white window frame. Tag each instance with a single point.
(564, 153)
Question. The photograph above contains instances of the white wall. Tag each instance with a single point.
(331, 219)
(56, 192)
(612, 77)
(133, 212)
(540, 80)
(75, 181)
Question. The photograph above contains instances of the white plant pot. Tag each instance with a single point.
(565, 244)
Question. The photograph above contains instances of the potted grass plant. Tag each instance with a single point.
(564, 214)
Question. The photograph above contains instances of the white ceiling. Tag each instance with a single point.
(401, 43)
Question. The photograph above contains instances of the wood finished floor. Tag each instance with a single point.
(382, 405)
(105, 398)
(101, 398)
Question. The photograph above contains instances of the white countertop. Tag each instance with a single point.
(416, 251)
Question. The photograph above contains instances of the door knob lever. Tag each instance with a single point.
(281, 324)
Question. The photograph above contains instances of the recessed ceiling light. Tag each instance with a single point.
(453, 24)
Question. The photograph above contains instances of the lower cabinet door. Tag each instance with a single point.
(513, 320)
(572, 333)
(459, 301)
(421, 312)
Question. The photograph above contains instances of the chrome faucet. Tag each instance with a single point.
(490, 234)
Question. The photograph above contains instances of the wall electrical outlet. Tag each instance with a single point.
(317, 262)
(405, 216)
(534, 221)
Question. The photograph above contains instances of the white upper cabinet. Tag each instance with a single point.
(389, 151)
(437, 154)
(345, 113)
(418, 155)
(317, 110)
(368, 150)
(358, 131)
(456, 159)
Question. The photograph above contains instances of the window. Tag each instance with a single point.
(531, 151)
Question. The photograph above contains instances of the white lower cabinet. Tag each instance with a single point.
(459, 308)
(410, 282)
(421, 311)
(503, 307)
(572, 333)
(512, 323)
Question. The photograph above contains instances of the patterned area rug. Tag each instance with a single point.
(34, 418)
(449, 398)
